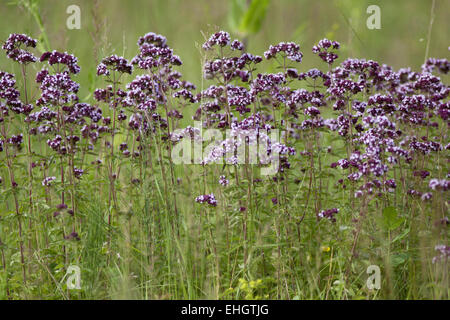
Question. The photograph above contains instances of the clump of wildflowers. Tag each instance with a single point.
(374, 132)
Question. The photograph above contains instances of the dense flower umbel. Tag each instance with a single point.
(59, 58)
(58, 89)
(290, 50)
(114, 63)
(10, 96)
(207, 198)
(154, 53)
(440, 65)
(229, 68)
(220, 39)
(325, 49)
(153, 38)
(14, 48)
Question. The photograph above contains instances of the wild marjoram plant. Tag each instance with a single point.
(309, 176)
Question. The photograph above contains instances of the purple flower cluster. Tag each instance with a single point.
(221, 39)
(249, 132)
(237, 45)
(442, 185)
(154, 53)
(223, 181)
(11, 96)
(432, 64)
(114, 63)
(207, 198)
(14, 48)
(290, 50)
(152, 38)
(72, 236)
(61, 58)
(328, 214)
(231, 68)
(444, 253)
(325, 49)
(47, 182)
(15, 140)
(240, 98)
(57, 89)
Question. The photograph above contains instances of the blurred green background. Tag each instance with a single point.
(114, 26)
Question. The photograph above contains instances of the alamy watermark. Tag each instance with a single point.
(374, 279)
(234, 146)
(73, 275)
(374, 20)
(74, 19)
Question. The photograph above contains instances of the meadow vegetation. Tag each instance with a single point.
(89, 176)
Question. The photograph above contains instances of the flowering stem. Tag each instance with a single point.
(30, 159)
(16, 203)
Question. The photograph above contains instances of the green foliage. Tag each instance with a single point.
(390, 220)
(246, 21)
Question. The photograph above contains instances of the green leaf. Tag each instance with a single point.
(398, 259)
(401, 236)
(254, 17)
(390, 219)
